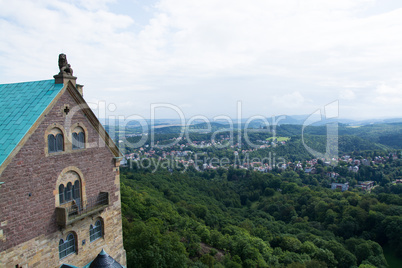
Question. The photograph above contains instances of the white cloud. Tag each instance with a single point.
(388, 90)
(93, 4)
(347, 94)
(328, 49)
(389, 95)
(292, 100)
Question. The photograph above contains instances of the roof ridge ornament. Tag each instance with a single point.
(64, 66)
(66, 72)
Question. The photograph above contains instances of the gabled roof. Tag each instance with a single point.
(21, 105)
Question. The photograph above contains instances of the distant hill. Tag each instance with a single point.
(315, 120)
(381, 132)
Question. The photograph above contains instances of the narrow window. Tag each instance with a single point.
(67, 192)
(51, 141)
(91, 233)
(59, 143)
(76, 190)
(62, 249)
(75, 141)
(78, 138)
(61, 193)
(95, 232)
(70, 248)
(81, 140)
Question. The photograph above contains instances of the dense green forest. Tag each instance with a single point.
(241, 218)
(233, 216)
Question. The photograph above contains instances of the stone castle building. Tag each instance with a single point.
(59, 172)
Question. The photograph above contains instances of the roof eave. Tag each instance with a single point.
(94, 120)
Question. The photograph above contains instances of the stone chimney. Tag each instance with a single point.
(80, 89)
(66, 73)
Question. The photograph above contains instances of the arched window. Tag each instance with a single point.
(81, 139)
(67, 192)
(55, 141)
(75, 141)
(67, 247)
(95, 232)
(61, 193)
(78, 138)
(59, 142)
(76, 190)
(70, 189)
(51, 141)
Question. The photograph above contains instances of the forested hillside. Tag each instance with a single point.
(239, 218)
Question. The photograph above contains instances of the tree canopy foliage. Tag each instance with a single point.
(238, 218)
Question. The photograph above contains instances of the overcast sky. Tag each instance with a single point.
(275, 57)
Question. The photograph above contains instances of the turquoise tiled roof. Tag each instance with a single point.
(21, 104)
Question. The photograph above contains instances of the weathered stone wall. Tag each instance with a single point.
(42, 251)
(29, 234)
